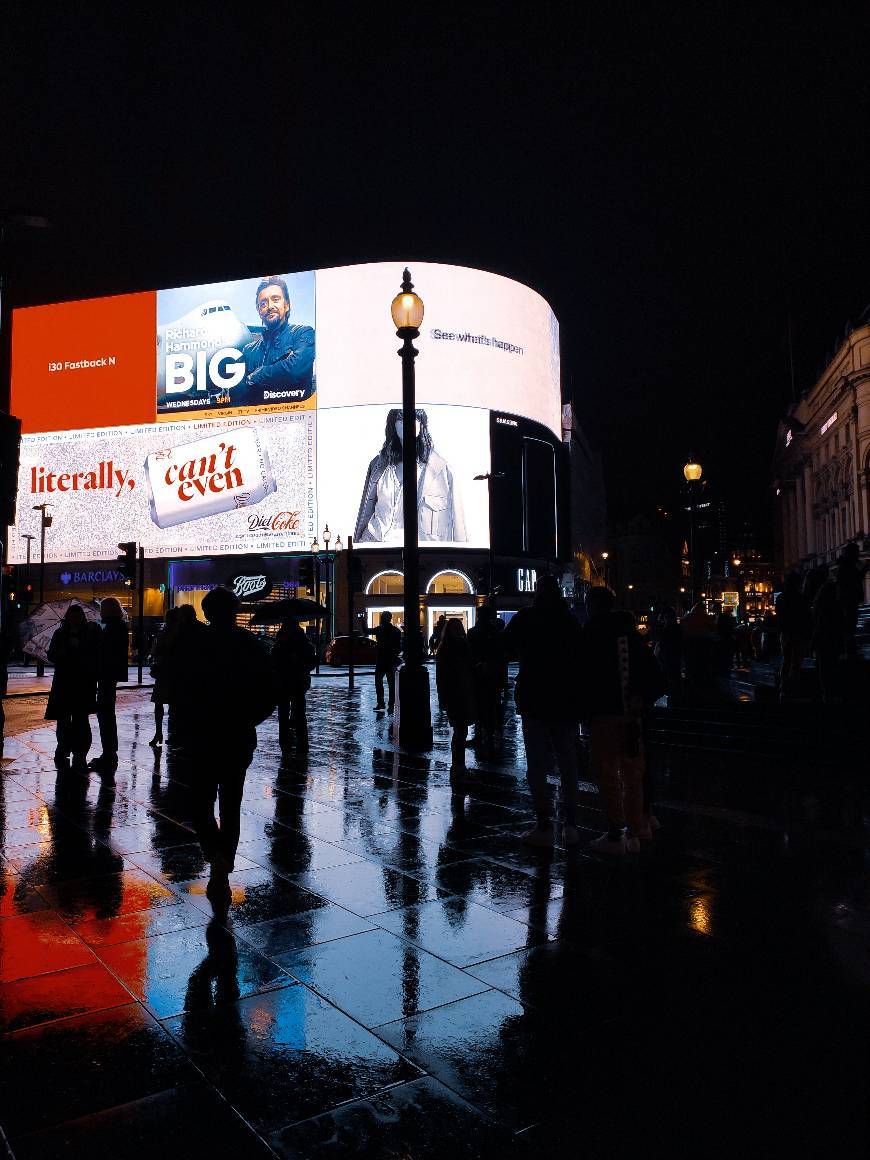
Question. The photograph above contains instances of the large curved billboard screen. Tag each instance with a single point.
(242, 416)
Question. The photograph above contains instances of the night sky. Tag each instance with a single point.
(677, 180)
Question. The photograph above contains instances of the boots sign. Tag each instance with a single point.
(251, 586)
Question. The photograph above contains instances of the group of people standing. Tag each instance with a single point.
(817, 615)
(601, 674)
(90, 660)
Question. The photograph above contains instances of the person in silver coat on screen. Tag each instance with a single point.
(439, 509)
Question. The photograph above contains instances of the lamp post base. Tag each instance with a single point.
(412, 708)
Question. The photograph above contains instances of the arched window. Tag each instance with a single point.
(386, 584)
(450, 582)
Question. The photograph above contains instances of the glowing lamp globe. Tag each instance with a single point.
(693, 471)
(407, 310)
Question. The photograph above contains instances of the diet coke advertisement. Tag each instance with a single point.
(189, 488)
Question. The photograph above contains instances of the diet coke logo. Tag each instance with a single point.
(282, 522)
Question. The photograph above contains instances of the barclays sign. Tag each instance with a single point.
(98, 576)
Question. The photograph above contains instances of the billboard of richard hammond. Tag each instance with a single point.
(236, 347)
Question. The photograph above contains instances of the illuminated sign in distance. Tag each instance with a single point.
(251, 587)
(829, 422)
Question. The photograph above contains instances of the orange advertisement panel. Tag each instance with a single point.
(85, 364)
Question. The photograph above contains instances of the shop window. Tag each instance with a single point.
(386, 584)
(448, 583)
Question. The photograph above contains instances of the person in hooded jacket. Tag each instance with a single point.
(621, 679)
(545, 638)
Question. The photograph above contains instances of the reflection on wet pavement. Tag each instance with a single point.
(399, 976)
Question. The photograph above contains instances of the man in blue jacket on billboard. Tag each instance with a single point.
(279, 365)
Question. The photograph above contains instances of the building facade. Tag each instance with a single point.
(821, 466)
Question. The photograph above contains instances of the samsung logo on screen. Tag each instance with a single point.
(506, 422)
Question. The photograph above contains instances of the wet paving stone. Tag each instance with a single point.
(106, 895)
(191, 969)
(16, 896)
(294, 853)
(399, 1122)
(128, 1054)
(193, 1113)
(280, 936)
(139, 924)
(257, 895)
(500, 887)
(285, 1055)
(37, 944)
(367, 889)
(28, 1002)
(377, 977)
(140, 836)
(480, 1049)
(458, 931)
(178, 864)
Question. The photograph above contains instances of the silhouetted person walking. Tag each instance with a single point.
(389, 642)
(435, 638)
(166, 640)
(546, 640)
(293, 658)
(111, 668)
(221, 677)
(486, 641)
(74, 653)
(621, 680)
(455, 679)
(795, 623)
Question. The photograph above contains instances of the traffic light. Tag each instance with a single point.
(306, 572)
(127, 560)
(354, 571)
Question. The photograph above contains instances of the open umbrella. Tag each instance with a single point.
(274, 611)
(36, 632)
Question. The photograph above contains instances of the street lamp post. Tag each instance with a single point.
(27, 587)
(45, 522)
(489, 476)
(329, 578)
(605, 556)
(415, 717)
(315, 576)
(692, 473)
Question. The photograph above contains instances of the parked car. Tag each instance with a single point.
(338, 650)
